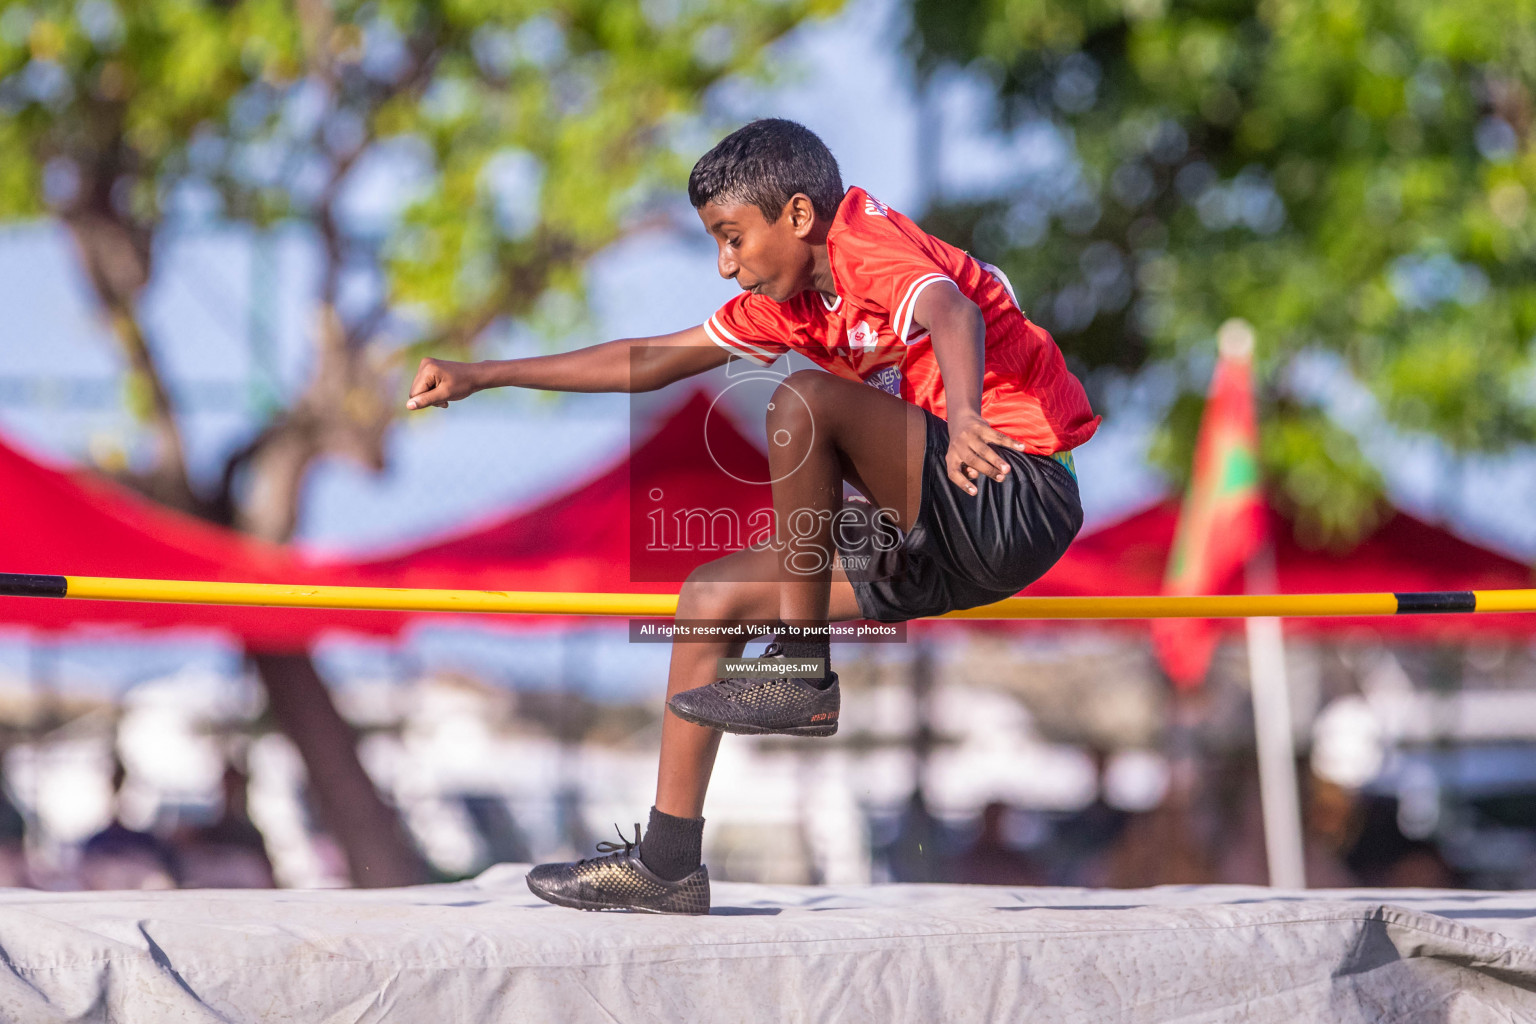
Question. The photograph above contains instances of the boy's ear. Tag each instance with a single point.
(802, 214)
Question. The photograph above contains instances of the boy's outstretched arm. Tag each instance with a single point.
(959, 343)
(629, 365)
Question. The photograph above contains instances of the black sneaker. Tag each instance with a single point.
(620, 881)
(753, 706)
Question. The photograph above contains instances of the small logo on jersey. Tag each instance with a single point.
(874, 207)
(862, 336)
(887, 380)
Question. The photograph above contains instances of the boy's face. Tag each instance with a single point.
(775, 259)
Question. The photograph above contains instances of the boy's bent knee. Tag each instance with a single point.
(797, 399)
(810, 385)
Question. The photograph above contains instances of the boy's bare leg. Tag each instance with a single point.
(823, 429)
(740, 587)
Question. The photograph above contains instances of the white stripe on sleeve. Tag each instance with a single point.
(902, 321)
(735, 346)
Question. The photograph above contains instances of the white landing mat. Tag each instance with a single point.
(487, 951)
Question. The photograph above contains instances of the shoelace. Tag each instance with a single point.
(621, 848)
(741, 684)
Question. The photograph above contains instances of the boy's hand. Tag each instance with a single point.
(439, 381)
(970, 451)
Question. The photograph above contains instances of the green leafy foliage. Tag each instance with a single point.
(527, 135)
(1350, 176)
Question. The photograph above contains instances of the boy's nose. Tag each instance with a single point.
(728, 267)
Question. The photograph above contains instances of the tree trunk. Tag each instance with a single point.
(117, 261)
(343, 412)
(379, 853)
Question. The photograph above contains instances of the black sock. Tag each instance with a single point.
(672, 848)
(817, 646)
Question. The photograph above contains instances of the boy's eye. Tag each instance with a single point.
(734, 243)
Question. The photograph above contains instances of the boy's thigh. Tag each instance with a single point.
(880, 439)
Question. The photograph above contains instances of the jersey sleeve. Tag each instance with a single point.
(750, 326)
(884, 261)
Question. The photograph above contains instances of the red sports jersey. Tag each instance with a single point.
(881, 262)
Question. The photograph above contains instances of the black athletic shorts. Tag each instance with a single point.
(962, 551)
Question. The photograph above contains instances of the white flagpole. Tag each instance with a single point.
(1271, 697)
(1277, 757)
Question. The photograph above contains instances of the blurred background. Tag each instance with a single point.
(229, 229)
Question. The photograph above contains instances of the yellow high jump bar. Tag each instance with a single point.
(277, 595)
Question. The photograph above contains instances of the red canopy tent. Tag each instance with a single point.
(596, 537)
(1403, 554)
(57, 522)
(61, 522)
(581, 540)
(590, 539)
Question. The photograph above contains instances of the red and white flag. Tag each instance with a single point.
(1221, 523)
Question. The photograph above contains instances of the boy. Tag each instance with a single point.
(962, 443)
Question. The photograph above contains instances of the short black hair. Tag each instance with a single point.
(765, 163)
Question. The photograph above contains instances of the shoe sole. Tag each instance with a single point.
(819, 729)
(576, 904)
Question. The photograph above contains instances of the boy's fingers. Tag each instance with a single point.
(991, 435)
(437, 396)
(985, 459)
(425, 378)
(956, 470)
(995, 436)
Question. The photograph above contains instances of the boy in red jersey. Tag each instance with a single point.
(944, 406)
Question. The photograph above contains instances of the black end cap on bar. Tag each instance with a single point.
(1430, 602)
(16, 584)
